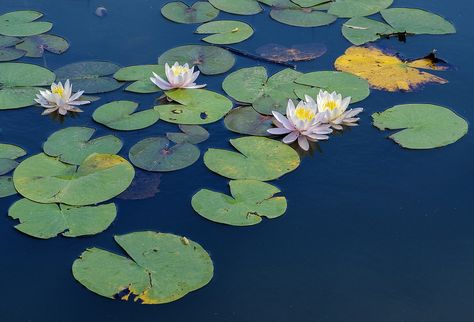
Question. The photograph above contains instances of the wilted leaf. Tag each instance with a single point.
(225, 32)
(245, 120)
(35, 46)
(193, 134)
(199, 12)
(120, 115)
(303, 52)
(241, 7)
(416, 21)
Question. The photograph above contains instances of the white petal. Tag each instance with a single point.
(303, 142)
(290, 138)
(278, 130)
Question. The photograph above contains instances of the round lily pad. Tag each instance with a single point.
(357, 8)
(225, 32)
(140, 76)
(73, 144)
(193, 134)
(120, 115)
(22, 23)
(99, 178)
(245, 120)
(49, 220)
(423, 126)
(259, 159)
(6, 187)
(361, 30)
(8, 154)
(156, 154)
(35, 46)
(241, 7)
(416, 21)
(91, 76)
(194, 106)
(301, 17)
(250, 201)
(161, 268)
(210, 60)
(199, 12)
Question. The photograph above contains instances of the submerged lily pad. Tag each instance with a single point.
(287, 12)
(199, 12)
(120, 115)
(6, 187)
(302, 52)
(49, 220)
(193, 134)
(241, 7)
(73, 144)
(250, 201)
(156, 154)
(361, 30)
(194, 106)
(140, 76)
(99, 178)
(245, 120)
(210, 60)
(145, 185)
(357, 8)
(416, 21)
(162, 268)
(259, 159)
(22, 23)
(423, 126)
(35, 46)
(17, 90)
(91, 76)
(225, 32)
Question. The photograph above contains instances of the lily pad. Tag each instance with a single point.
(91, 76)
(49, 220)
(250, 201)
(22, 23)
(8, 154)
(35, 46)
(18, 91)
(6, 53)
(241, 7)
(245, 120)
(156, 154)
(140, 76)
(293, 15)
(416, 21)
(161, 268)
(225, 32)
(120, 115)
(194, 106)
(193, 134)
(302, 52)
(259, 159)
(145, 185)
(357, 8)
(6, 187)
(199, 12)
(73, 144)
(210, 60)
(99, 178)
(423, 126)
(360, 30)
(344, 83)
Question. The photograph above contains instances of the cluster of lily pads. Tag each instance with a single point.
(67, 189)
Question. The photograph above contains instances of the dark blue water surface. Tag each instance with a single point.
(373, 232)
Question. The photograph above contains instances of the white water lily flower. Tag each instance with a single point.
(335, 108)
(60, 99)
(302, 123)
(179, 76)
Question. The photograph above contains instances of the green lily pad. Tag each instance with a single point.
(120, 115)
(6, 187)
(225, 32)
(99, 178)
(193, 134)
(259, 159)
(156, 154)
(308, 3)
(8, 54)
(194, 106)
(344, 83)
(416, 21)
(241, 7)
(361, 30)
(290, 14)
(245, 120)
(73, 144)
(22, 23)
(357, 8)
(199, 12)
(49, 220)
(161, 268)
(8, 154)
(140, 76)
(210, 60)
(35, 46)
(423, 126)
(250, 201)
(91, 76)
(17, 90)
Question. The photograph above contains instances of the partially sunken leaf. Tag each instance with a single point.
(259, 159)
(73, 144)
(6, 187)
(360, 30)
(423, 126)
(245, 120)
(293, 15)
(199, 12)
(35, 46)
(145, 185)
(225, 32)
(250, 201)
(22, 23)
(49, 220)
(161, 268)
(156, 154)
(357, 8)
(8, 154)
(416, 21)
(241, 7)
(99, 178)
(140, 76)
(193, 134)
(121, 116)
(384, 71)
(303, 52)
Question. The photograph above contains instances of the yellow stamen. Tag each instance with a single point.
(179, 70)
(331, 105)
(58, 90)
(304, 114)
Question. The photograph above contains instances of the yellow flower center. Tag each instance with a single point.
(179, 70)
(330, 105)
(304, 114)
(58, 90)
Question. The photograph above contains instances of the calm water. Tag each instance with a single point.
(373, 233)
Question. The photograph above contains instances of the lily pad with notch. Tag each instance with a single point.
(361, 30)
(241, 7)
(7, 50)
(121, 116)
(193, 134)
(225, 32)
(357, 8)
(289, 13)
(8, 154)
(140, 76)
(417, 21)
(23, 23)
(35, 46)
(199, 12)
(245, 120)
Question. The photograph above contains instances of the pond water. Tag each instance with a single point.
(373, 232)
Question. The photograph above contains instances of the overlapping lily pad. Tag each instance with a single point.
(99, 178)
(259, 159)
(8, 154)
(199, 12)
(120, 115)
(194, 106)
(193, 134)
(7, 52)
(357, 8)
(145, 185)
(49, 220)
(361, 30)
(210, 60)
(241, 7)
(140, 76)
(289, 13)
(23, 23)
(302, 52)
(6, 186)
(416, 21)
(308, 3)
(250, 201)
(35, 46)
(157, 154)
(161, 268)
(225, 32)
(73, 144)
(245, 120)
(423, 126)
